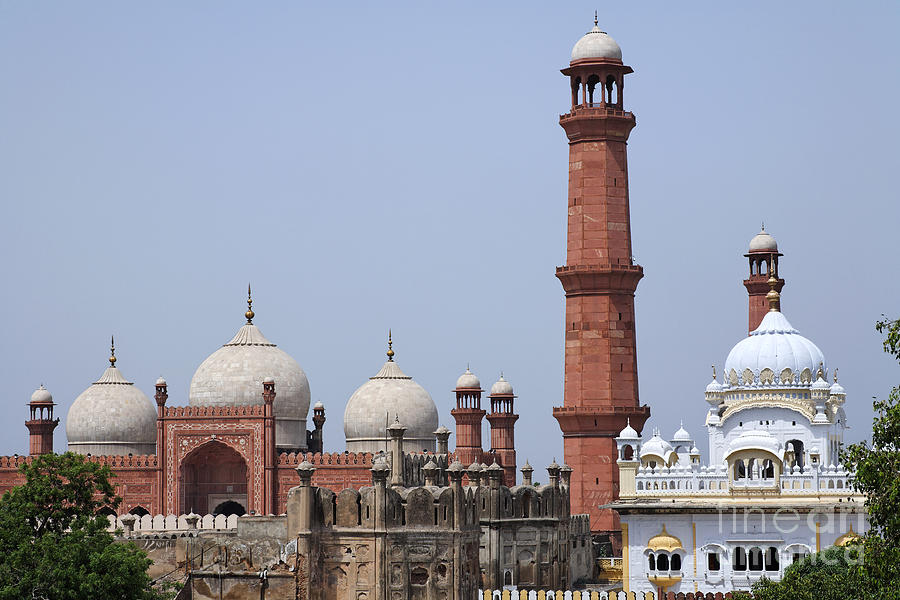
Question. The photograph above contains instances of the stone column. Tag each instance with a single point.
(527, 470)
(300, 509)
(128, 524)
(268, 507)
(442, 435)
(430, 469)
(396, 431)
(162, 394)
(381, 570)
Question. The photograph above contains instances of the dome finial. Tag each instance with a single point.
(835, 375)
(714, 372)
(390, 352)
(112, 351)
(596, 22)
(773, 296)
(249, 314)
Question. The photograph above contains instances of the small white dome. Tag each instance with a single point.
(714, 387)
(682, 435)
(695, 451)
(775, 345)
(629, 433)
(501, 387)
(837, 389)
(763, 242)
(820, 384)
(41, 396)
(389, 393)
(318, 404)
(112, 417)
(161, 381)
(596, 44)
(468, 381)
(656, 446)
(233, 376)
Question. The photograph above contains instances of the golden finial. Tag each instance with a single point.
(835, 374)
(714, 371)
(820, 372)
(112, 350)
(773, 296)
(595, 19)
(249, 314)
(390, 352)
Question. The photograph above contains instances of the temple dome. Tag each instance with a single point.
(501, 387)
(389, 394)
(658, 447)
(682, 435)
(468, 380)
(41, 396)
(763, 242)
(112, 418)
(596, 44)
(233, 376)
(774, 345)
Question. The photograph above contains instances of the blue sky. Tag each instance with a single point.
(372, 166)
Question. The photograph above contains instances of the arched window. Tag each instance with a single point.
(662, 562)
(772, 559)
(712, 561)
(676, 562)
(740, 559)
(139, 511)
(756, 559)
(652, 560)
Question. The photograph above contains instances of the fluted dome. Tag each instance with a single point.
(777, 346)
(501, 387)
(468, 380)
(682, 435)
(112, 417)
(233, 376)
(629, 433)
(763, 242)
(755, 440)
(658, 447)
(41, 396)
(374, 405)
(714, 387)
(596, 44)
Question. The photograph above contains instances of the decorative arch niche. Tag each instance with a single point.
(210, 476)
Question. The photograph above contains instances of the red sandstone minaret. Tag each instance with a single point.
(41, 424)
(599, 278)
(503, 428)
(763, 256)
(468, 415)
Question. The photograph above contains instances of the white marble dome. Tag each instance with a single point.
(596, 44)
(777, 346)
(658, 447)
(501, 387)
(41, 396)
(468, 380)
(755, 440)
(388, 395)
(763, 242)
(682, 435)
(629, 433)
(233, 376)
(112, 418)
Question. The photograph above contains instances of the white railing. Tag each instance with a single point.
(172, 523)
(714, 481)
(514, 594)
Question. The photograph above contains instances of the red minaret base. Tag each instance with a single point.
(599, 279)
(503, 433)
(763, 257)
(468, 415)
(41, 423)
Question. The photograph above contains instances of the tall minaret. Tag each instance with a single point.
(503, 419)
(599, 278)
(41, 424)
(468, 414)
(763, 256)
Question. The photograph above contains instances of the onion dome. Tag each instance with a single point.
(763, 242)
(629, 433)
(233, 376)
(502, 387)
(836, 388)
(682, 434)
(664, 541)
(112, 417)
(596, 44)
(389, 393)
(657, 447)
(161, 381)
(468, 381)
(695, 451)
(776, 346)
(41, 396)
(820, 384)
(714, 387)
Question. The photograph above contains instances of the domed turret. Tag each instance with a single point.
(41, 396)
(112, 417)
(596, 44)
(501, 387)
(372, 406)
(468, 381)
(233, 376)
(763, 242)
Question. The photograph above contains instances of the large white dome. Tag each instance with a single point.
(233, 376)
(777, 346)
(112, 418)
(375, 404)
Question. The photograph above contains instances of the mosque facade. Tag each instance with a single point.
(772, 489)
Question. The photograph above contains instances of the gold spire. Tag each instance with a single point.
(773, 296)
(595, 18)
(112, 351)
(249, 314)
(714, 371)
(835, 374)
(390, 352)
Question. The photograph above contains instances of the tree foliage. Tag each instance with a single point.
(53, 539)
(832, 574)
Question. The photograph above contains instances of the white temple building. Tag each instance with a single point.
(772, 489)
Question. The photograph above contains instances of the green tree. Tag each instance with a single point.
(832, 574)
(53, 539)
(875, 470)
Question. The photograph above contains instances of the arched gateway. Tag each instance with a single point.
(211, 476)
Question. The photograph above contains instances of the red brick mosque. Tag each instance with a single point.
(235, 444)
